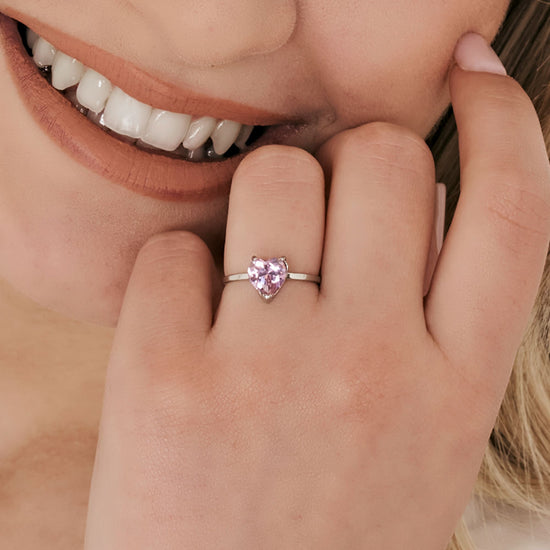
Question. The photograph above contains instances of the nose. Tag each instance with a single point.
(218, 32)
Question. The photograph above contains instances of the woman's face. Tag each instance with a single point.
(70, 221)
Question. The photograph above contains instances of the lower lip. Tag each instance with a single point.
(142, 172)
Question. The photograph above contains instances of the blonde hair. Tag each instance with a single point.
(516, 466)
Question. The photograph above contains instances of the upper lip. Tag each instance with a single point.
(148, 88)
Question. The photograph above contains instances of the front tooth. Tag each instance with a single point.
(43, 53)
(66, 71)
(93, 91)
(166, 130)
(70, 94)
(199, 131)
(126, 115)
(243, 136)
(211, 154)
(224, 135)
(32, 37)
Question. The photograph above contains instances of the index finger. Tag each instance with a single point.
(491, 264)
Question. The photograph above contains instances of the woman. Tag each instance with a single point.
(341, 413)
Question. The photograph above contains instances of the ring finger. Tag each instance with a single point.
(276, 208)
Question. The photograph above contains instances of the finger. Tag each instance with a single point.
(167, 308)
(276, 208)
(165, 318)
(491, 264)
(437, 235)
(380, 219)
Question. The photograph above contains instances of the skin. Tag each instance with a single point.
(216, 435)
(49, 328)
(396, 70)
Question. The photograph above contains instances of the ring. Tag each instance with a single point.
(269, 276)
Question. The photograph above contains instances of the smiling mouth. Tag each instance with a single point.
(169, 155)
(191, 138)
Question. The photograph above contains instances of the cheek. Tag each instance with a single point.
(390, 62)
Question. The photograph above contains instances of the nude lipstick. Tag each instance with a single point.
(143, 172)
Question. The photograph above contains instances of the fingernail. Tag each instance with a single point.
(472, 53)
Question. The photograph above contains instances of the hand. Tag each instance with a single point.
(350, 416)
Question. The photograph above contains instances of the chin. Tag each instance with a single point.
(69, 239)
(83, 284)
(74, 293)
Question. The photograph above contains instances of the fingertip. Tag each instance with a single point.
(473, 53)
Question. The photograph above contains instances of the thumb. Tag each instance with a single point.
(165, 318)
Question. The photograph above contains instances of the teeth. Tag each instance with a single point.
(126, 115)
(99, 120)
(199, 131)
(71, 95)
(211, 154)
(243, 136)
(32, 37)
(93, 91)
(224, 135)
(166, 130)
(43, 53)
(66, 71)
(131, 120)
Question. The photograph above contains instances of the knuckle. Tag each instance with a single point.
(510, 97)
(167, 260)
(505, 109)
(355, 385)
(355, 400)
(164, 247)
(387, 148)
(274, 165)
(522, 211)
(372, 364)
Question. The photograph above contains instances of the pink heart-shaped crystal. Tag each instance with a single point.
(267, 276)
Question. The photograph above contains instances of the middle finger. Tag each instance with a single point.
(380, 220)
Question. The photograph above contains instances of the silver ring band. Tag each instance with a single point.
(296, 276)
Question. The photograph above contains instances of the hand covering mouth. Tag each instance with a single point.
(149, 148)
